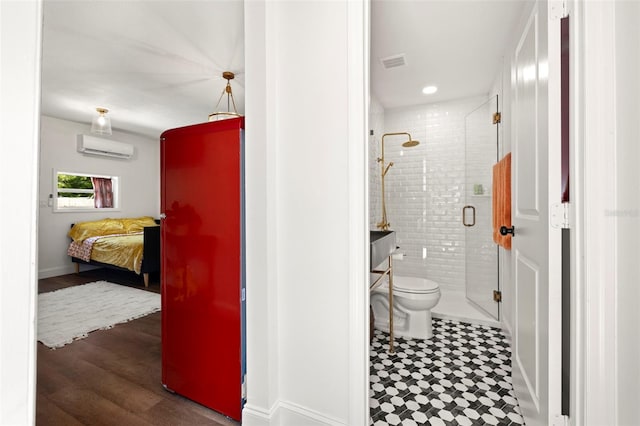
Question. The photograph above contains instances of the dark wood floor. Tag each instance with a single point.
(111, 377)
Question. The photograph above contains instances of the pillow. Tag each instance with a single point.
(133, 225)
(83, 230)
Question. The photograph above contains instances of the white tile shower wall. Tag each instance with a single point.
(425, 189)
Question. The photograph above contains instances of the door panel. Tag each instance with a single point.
(527, 350)
(527, 186)
(536, 151)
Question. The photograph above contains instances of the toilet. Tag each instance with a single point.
(413, 299)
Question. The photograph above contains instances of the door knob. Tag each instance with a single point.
(506, 231)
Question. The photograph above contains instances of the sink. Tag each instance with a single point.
(383, 243)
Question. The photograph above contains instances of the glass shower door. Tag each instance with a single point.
(481, 260)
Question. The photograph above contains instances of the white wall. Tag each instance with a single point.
(139, 180)
(627, 210)
(20, 32)
(607, 374)
(263, 343)
(425, 189)
(307, 293)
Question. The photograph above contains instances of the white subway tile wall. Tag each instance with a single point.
(425, 187)
(376, 126)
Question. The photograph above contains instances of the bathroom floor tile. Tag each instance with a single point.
(461, 376)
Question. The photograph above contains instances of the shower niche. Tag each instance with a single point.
(481, 253)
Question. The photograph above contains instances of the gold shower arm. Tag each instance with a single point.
(384, 224)
(387, 169)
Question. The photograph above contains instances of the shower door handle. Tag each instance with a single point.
(464, 216)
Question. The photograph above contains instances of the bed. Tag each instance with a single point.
(131, 244)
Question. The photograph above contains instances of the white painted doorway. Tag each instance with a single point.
(536, 246)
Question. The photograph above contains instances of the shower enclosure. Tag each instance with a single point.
(481, 260)
(426, 192)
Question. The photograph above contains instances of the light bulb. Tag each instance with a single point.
(101, 124)
(429, 90)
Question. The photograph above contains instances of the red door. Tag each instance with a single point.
(201, 198)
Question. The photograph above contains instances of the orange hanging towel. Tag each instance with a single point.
(502, 200)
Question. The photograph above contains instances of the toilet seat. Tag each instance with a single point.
(422, 286)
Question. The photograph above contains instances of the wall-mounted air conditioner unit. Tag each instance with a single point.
(92, 145)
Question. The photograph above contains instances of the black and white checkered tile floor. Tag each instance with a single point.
(461, 376)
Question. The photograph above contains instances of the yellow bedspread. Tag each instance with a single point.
(122, 250)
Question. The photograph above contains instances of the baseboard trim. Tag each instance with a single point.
(62, 270)
(256, 416)
(286, 413)
(55, 272)
(506, 329)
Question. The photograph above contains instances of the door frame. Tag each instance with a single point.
(593, 258)
(20, 65)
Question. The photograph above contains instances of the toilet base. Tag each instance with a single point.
(418, 325)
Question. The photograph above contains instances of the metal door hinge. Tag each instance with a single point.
(558, 9)
(560, 216)
(244, 387)
(497, 118)
(497, 296)
(560, 420)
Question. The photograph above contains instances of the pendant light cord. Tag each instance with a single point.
(229, 92)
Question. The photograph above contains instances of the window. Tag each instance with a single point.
(84, 192)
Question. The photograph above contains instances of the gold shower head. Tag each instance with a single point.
(410, 143)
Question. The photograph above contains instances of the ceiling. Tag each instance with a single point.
(158, 64)
(456, 45)
(155, 65)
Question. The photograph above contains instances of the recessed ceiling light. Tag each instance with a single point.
(429, 90)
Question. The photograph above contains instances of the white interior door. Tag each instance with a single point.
(536, 246)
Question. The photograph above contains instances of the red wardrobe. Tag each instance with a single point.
(202, 278)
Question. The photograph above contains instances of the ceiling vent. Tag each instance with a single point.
(394, 61)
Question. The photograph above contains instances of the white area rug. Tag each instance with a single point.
(71, 313)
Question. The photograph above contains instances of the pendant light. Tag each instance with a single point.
(223, 115)
(101, 124)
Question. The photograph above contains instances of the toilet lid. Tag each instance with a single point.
(403, 285)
